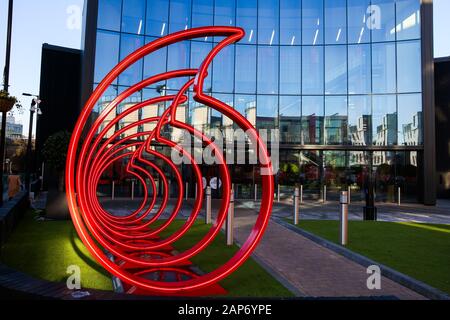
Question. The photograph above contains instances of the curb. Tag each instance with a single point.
(406, 281)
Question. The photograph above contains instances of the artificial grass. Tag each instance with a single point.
(45, 250)
(421, 251)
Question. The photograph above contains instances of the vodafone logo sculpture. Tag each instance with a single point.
(134, 240)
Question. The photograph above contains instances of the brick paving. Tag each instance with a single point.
(314, 270)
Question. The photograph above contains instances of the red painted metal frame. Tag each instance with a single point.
(90, 156)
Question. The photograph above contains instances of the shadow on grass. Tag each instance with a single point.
(86, 259)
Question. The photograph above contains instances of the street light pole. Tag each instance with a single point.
(34, 108)
(5, 87)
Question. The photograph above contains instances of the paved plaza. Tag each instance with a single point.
(310, 269)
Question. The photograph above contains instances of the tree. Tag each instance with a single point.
(54, 153)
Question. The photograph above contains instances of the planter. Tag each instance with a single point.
(6, 104)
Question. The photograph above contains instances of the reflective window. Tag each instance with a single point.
(155, 63)
(223, 70)
(408, 19)
(224, 12)
(409, 66)
(246, 105)
(290, 70)
(383, 171)
(335, 70)
(245, 69)
(133, 16)
(107, 54)
(290, 119)
(221, 122)
(359, 69)
(290, 22)
(312, 22)
(199, 51)
(157, 17)
(312, 70)
(382, 17)
(180, 15)
(335, 21)
(202, 13)
(268, 22)
(383, 68)
(410, 120)
(267, 112)
(340, 75)
(360, 120)
(312, 120)
(336, 120)
(198, 115)
(246, 18)
(334, 173)
(267, 70)
(358, 30)
(128, 44)
(359, 168)
(384, 120)
(178, 58)
(109, 14)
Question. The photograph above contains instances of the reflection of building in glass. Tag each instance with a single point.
(335, 130)
(313, 69)
(386, 134)
(289, 128)
(360, 134)
(412, 132)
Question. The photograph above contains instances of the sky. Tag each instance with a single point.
(54, 22)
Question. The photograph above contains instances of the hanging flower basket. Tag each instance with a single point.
(6, 102)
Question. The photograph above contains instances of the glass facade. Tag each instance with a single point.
(326, 73)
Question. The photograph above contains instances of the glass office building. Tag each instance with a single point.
(342, 81)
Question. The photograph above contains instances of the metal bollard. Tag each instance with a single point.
(132, 190)
(113, 191)
(324, 194)
(296, 205)
(230, 221)
(208, 206)
(349, 190)
(399, 196)
(278, 193)
(301, 194)
(196, 192)
(343, 219)
(256, 192)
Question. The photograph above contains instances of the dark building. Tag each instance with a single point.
(442, 81)
(59, 91)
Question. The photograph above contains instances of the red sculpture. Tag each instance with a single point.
(134, 241)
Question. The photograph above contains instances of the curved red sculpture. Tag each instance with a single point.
(134, 241)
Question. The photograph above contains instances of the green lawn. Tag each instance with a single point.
(421, 251)
(45, 250)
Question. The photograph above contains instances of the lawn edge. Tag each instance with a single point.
(394, 275)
